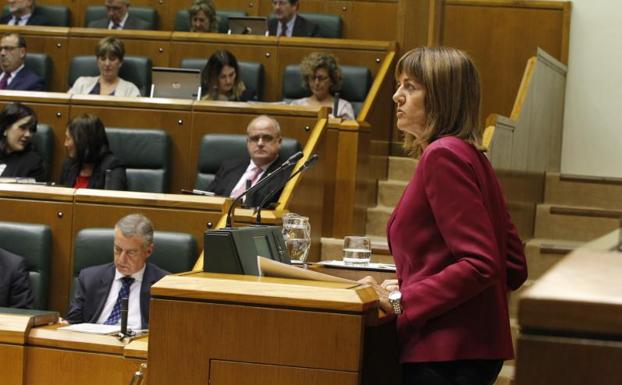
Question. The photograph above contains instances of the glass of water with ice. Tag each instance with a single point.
(297, 234)
(356, 250)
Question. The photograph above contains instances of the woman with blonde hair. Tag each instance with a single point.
(456, 250)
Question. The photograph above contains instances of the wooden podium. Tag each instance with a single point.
(222, 329)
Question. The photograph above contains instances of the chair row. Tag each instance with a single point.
(357, 80)
(175, 252)
(330, 26)
(146, 155)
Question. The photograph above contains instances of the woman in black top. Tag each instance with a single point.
(89, 157)
(220, 79)
(17, 156)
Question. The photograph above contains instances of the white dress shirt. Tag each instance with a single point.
(11, 75)
(121, 24)
(134, 320)
(290, 27)
(23, 20)
(247, 174)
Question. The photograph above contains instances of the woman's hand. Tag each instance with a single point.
(383, 293)
(390, 285)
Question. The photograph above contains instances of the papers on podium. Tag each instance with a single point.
(271, 268)
(92, 328)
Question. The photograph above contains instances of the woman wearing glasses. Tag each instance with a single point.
(322, 76)
(17, 156)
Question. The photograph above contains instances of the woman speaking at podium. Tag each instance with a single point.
(455, 247)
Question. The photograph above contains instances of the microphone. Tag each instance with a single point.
(310, 162)
(284, 166)
(336, 105)
(124, 306)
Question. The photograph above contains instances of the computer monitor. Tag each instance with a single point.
(176, 83)
(248, 25)
(235, 250)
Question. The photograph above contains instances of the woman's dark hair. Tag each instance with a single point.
(10, 114)
(110, 47)
(89, 137)
(209, 76)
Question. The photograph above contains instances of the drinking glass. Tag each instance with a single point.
(297, 234)
(356, 250)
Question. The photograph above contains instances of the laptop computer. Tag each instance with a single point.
(248, 25)
(176, 83)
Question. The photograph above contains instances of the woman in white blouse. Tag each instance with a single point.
(110, 52)
(322, 76)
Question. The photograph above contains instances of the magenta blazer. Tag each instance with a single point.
(457, 255)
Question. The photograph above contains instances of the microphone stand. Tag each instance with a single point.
(263, 181)
(310, 162)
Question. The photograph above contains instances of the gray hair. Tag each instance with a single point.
(275, 123)
(136, 225)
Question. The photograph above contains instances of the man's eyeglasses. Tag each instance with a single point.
(264, 138)
(318, 78)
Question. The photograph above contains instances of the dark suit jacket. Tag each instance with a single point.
(23, 164)
(26, 80)
(14, 281)
(36, 18)
(457, 255)
(302, 27)
(118, 178)
(131, 23)
(230, 173)
(91, 292)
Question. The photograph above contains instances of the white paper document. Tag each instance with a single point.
(92, 328)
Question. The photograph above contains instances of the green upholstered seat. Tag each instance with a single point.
(34, 243)
(146, 156)
(57, 15)
(251, 73)
(329, 25)
(40, 64)
(216, 148)
(43, 140)
(135, 69)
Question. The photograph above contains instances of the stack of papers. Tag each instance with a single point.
(368, 266)
(92, 328)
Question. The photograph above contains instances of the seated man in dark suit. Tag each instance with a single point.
(237, 175)
(118, 17)
(23, 12)
(287, 22)
(97, 297)
(14, 282)
(14, 75)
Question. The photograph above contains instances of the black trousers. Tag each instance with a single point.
(461, 372)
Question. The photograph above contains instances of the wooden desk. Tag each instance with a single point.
(571, 320)
(240, 329)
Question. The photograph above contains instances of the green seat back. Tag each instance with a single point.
(43, 141)
(34, 243)
(146, 156)
(148, 14)
(40, 64)
(135, 69)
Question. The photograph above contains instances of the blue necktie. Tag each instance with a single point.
(124, 292)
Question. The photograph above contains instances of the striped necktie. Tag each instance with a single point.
(124, 292)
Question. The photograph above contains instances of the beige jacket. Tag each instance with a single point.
(84, 84)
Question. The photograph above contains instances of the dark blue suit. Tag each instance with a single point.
(14, 282)
(94, 283)
(26, 80)
(36, 18)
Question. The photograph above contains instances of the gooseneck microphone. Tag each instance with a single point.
(310, 162)
(284, 166)
(124, 313)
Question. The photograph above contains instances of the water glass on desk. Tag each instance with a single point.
(297, 235)
(356, 250)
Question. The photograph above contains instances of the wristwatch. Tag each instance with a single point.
(395, 299)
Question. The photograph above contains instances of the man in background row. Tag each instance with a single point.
(23, 12)
(118, 17)
(288, 22)
(14, 75)
(263, 143)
